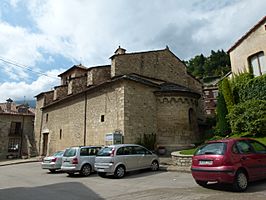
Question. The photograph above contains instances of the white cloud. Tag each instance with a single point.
(19, 90)
(90, 31)
(14, 3)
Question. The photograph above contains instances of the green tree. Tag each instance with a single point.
(227, 93)
(222, 126)
(196, 65)
(217, 64)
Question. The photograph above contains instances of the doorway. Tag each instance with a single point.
(45, 144)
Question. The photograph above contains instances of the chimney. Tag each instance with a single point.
(8, 104)
(120, 51)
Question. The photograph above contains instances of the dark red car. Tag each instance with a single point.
(233, 161)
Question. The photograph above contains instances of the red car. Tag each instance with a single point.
(233, 161)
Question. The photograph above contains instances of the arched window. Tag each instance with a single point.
(190, 116)
(258, 63)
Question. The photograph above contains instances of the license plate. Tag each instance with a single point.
(205, 162)
(100, 170)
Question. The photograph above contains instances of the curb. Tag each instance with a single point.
(15, 162)
(163, 167)
(174, 168)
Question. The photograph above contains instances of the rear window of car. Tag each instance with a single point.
(217, 148)
(106, 151)
(58, 153)
(70, 152)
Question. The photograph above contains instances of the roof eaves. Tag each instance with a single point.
(247, 34)
(73, 67)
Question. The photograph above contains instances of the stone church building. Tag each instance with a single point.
(139, 93)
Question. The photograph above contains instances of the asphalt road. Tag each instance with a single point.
(30, 182)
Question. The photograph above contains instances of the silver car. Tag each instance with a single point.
(79, 159)
(53, 162)
(118, 159)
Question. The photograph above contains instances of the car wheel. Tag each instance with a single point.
(85, 170)
(202, 183)
(52, 170)
(241, 181)
(154, 166)
(120, 172)
(102, 174)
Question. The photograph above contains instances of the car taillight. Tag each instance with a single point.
(75, 161)
(112, 153)
(54, 159)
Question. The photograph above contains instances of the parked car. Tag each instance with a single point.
(53, 162)
(79, 159)
(234, 161)
(118, 159)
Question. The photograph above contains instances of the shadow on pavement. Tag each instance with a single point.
(252, 187)
(137, 174)
(60, 191)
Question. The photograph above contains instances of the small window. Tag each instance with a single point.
(120, 151)
(191, 114)
(70, 152)
(60, 134)
(13, 144)
(46, 119)
(244, 147)
(234, 149)
(258, 147)
(215, 93)
(106, 151)
(258, 64)
(15, 128)
(217, 148)
(84, 152)
(127, 150)
(139, 150)
(102, 118)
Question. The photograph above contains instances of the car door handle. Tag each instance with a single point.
(243, 158)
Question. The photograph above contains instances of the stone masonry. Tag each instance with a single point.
(139, 93)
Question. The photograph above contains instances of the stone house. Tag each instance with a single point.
(139, 93)
(16, 130)
(210, 93)
(248, 53)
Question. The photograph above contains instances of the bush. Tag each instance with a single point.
(249, 116)
(148, 141)
(238, 86)
(254, 89)
(227, 93)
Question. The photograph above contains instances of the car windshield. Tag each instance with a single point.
(58, 153)
(70, 152)
(106, 151)
(217, 148)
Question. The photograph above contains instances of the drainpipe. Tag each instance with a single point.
(85, 119)
(21, 136)
(40, 138)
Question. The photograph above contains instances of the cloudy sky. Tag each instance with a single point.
(41, 38)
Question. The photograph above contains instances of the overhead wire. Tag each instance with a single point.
(25, 67)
